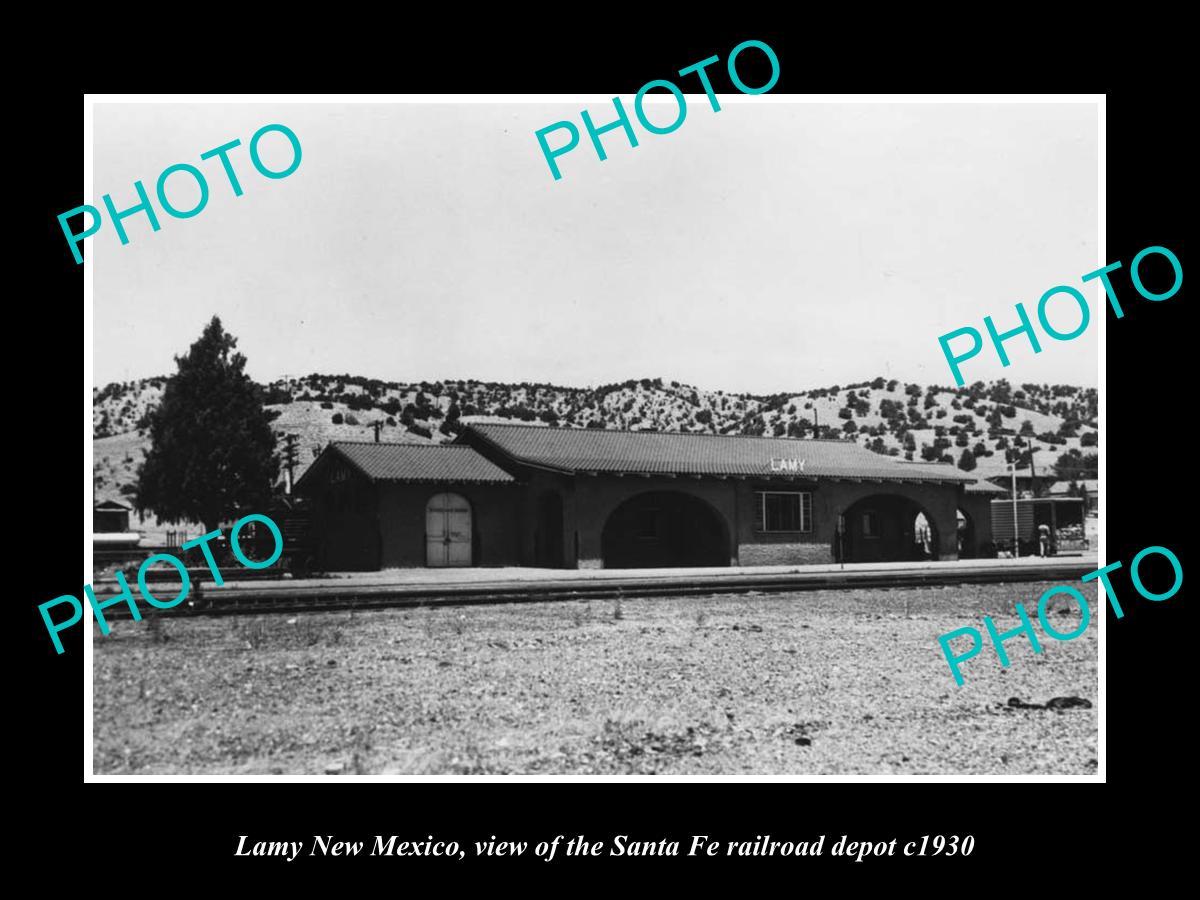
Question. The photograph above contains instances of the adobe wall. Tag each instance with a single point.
(494, 512)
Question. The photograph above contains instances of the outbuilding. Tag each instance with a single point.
(529, 495)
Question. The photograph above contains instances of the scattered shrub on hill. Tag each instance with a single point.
(845, 413)
(962, 440)
(850, 427)
(326, 405)
(337, 419)
(420, 430)
(1088, 439)
(1074, 464)
(351, 420)
(391, 421)
(966, 462)
(1048, 437)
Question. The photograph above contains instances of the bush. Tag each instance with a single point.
(336, 419)
(326, 405)
(351, 420)
(1089, 439)
(420, 430)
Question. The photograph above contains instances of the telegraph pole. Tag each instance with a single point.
(377, 424)
(1016, 532)
(290, 459)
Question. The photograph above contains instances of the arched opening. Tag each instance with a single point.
(886, 528)
(966, 535)
(664, 529)
(548, 539)
(447, 531)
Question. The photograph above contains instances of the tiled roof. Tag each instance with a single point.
(417, 462)
(985, 487)
(658, 452)
(1090, 485)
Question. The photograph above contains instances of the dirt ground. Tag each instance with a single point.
(817, 682)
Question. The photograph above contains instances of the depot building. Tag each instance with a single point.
(527, 495)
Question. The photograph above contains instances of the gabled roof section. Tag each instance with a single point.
(595, 450)
(429, 463)
(111, 504)
(986, 487)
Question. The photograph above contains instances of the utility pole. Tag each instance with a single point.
(290, 453)
(377, 424)
(1016, 531)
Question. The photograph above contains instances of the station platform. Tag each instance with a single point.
(421, 587)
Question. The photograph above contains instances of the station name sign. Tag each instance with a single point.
(779, 464)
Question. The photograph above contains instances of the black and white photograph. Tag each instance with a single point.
(424, 443)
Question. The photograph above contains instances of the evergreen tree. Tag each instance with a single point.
(966, 462)
(212, 449)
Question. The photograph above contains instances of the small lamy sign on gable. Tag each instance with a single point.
(778, 464)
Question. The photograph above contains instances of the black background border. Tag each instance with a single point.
(1016, 824)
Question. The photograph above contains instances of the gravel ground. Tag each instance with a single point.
(817, 682)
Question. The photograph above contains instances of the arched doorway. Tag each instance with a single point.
(548, 539)
(447, 531)
(887, 528)
(664, 529)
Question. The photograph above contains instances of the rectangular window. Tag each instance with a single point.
(783, 511)
(870, 525)
(645, 527)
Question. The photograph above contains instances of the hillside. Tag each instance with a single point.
(895, 418)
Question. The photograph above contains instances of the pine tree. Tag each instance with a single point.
(966, 462)
(212, 450)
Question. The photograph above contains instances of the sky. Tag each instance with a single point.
(772, 246)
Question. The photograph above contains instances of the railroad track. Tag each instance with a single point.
(279, 597)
